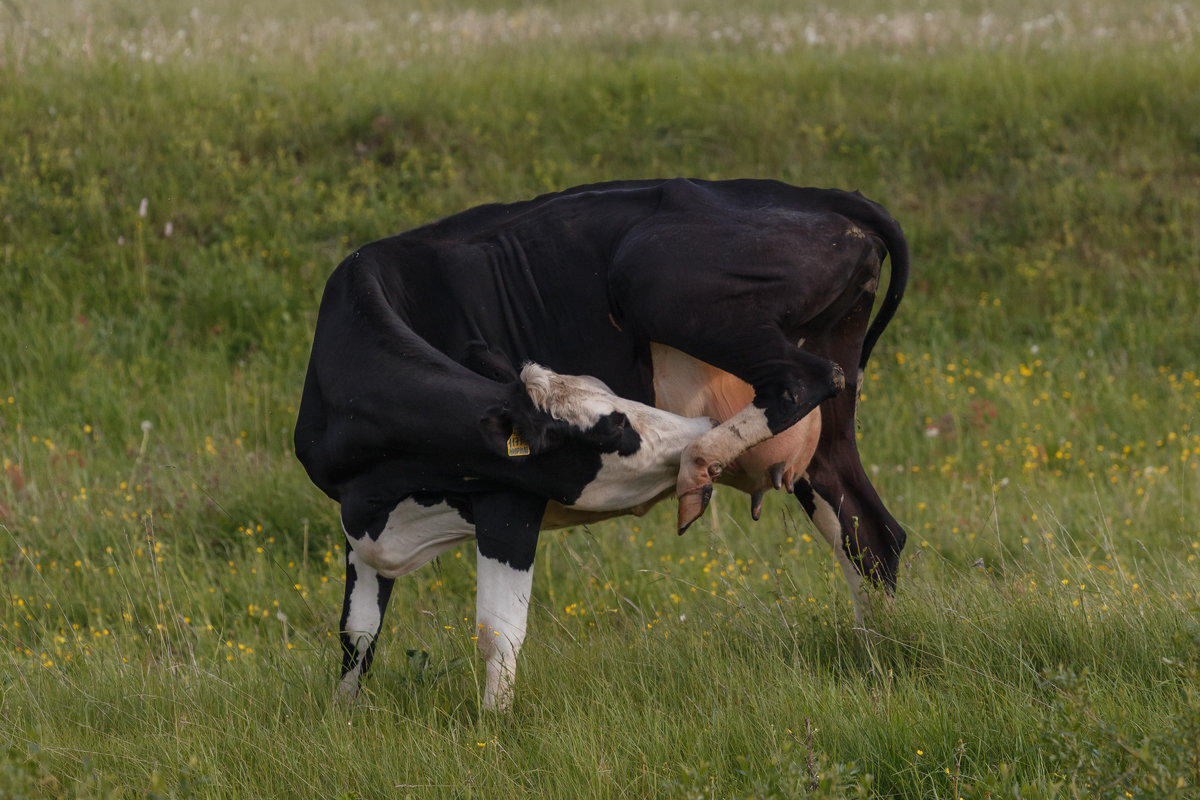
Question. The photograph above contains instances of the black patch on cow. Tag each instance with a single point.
(507, 525)
(349, 652)
(804, 493)
(534, 428)
(364, 519)
(460, 504)
(614, 434)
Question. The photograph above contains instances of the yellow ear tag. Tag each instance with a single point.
(517, 445)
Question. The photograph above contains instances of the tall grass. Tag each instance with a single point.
(171, 581)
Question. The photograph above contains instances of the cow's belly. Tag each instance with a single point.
(414, 535)
(560, 516)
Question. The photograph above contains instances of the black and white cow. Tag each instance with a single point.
(594, 454)
(740, 300)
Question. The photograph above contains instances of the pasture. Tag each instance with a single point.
(176, 183)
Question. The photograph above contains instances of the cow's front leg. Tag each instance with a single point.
(366, 598)
(779, 403)
(506, 538)
(501, 610)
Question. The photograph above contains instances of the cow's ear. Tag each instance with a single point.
(514, 433)
(498, 427)
(614, 433)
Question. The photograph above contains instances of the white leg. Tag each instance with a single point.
(367, 594)
(501, 610)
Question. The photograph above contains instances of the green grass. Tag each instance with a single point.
(171, 581)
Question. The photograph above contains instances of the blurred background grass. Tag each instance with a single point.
(176, 183)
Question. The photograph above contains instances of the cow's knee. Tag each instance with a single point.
(819, 380)
(809, 381)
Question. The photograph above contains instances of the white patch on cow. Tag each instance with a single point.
(501, 611)
(413, 536)
(578, 399)
(827, 522)
(629, 481)
(363, 618)
(623, 481)
(362, 622)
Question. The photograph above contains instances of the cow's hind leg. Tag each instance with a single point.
(828, 520)
(836, 492)
(864, 536)
(506, 538)
(367, 595)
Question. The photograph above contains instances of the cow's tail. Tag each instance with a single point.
(897, 247)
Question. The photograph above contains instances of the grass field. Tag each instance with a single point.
(175, 185)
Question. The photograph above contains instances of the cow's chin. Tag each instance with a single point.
(692, 504)
(694, 486)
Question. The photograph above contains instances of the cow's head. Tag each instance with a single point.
(522, 426)
(587, 404)
(639, 445)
